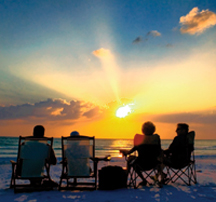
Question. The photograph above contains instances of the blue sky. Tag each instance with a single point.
(158, 54)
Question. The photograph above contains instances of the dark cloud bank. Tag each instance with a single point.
(51, 109)
(207, 117)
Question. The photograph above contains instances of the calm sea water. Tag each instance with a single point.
(9, 147)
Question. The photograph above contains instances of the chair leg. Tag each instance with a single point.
(132, 178)
(194, 170)
(12, 177)
(95, 173)
(60, 182)
(189, 173)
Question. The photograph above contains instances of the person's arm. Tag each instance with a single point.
(172, 146)
(52, 159)
(166, 151)
(126, 152)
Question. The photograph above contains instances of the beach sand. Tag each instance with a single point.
(204, 190)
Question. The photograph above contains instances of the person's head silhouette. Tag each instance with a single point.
(38, 131)
(148, 128)
(74, 133)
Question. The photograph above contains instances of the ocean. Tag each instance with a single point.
(9, 147)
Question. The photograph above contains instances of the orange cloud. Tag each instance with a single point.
(102, 53)
(196, 22)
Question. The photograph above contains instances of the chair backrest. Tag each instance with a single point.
(77, 150)
(190, 142)
(32, 155)
(145, 139)
(149, 148)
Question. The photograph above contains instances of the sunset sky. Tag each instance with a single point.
(70, 64)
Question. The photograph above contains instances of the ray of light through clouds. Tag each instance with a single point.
(110, 67)
(71, 65)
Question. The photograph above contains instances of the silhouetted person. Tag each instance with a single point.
(38, 132)
(177, 153)
(148, 151)
(74, 133)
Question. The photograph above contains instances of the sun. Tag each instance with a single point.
(123, 111)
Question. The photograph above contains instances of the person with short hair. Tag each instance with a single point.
(74, 133)
(148, 151)
(38, 132)
(177, 153)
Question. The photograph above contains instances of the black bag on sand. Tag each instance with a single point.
(112, 177)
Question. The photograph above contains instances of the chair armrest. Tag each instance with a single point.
(97, 159)
(13, 162)
(64, 161)
(124, 152)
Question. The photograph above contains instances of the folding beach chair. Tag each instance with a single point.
(79, 165)
(32, 164)
(185, 171)
(149, 153)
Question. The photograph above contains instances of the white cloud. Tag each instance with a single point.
(154, 33)
(196, 22)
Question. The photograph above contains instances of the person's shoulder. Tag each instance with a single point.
(177, 138)
(156, 136)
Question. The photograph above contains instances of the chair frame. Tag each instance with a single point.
(188, 171)
(17, 165)
(64, 174)
(133, 176)
(153, 170)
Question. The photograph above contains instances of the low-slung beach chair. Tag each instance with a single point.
(32, 164)
(185, 172)
(79, 164)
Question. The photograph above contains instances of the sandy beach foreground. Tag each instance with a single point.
(205, 190)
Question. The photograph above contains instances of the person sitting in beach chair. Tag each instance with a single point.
(79, 162)
(34, 154)
(148, 147)
(38, 132)
(178, 155)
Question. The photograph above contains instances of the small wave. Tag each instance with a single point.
(205, 156)
(206, 147)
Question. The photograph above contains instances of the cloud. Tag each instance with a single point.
(137, 40)
(102, 53)
(92, 112)
(207, 117)
(154, 33)
(51, 109)
(169, 45)
(196, 22)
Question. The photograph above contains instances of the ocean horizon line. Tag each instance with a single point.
(106, 138)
